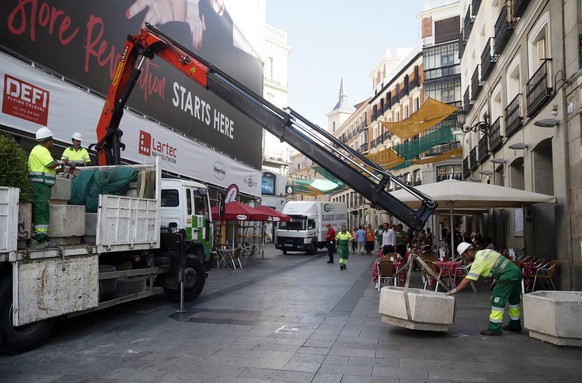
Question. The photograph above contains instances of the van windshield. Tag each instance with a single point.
(296, 223)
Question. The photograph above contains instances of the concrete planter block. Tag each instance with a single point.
(430, 310)
(66, 221)
(24, 221)
(61, 191)
(554, 316)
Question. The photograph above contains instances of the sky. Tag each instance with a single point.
(334, 39)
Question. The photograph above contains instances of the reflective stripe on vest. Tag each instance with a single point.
(43, 178)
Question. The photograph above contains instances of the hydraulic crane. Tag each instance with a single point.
(354, 169)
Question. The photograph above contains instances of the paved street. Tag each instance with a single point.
(289, 318)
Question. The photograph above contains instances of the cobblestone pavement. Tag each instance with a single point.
(288, 318)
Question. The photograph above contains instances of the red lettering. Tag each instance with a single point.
(97, 48)
(26, 15)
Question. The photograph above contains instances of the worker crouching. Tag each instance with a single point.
(506, 289)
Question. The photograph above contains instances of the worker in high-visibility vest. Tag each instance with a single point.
(76, 154)
(507, 286)
(42, 170)
(343, 239)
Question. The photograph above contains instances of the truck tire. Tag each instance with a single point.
(14, 340)
(313, 248)
(194, 280)
(284, 252)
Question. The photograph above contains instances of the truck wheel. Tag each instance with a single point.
(13, 339)
(313, 248)
(284, 252)
(194, 279)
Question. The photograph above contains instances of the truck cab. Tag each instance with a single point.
(186, 205)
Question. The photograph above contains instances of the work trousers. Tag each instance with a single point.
(507, 289)
(40, 210)
(343, 251)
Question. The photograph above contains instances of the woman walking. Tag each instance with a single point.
(343, 239)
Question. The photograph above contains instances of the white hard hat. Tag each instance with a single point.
(76, 136)
(463, 246)
(43, 134)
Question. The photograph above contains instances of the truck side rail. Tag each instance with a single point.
(354, 169)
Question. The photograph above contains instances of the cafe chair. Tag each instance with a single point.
(249, 253)
(235, 256)
(544, 275)
(386, 272)
(427, 279)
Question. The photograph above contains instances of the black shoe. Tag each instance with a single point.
(489, 332)
(329, 261)
(509, 328)
(342, 267)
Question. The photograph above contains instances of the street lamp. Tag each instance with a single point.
(482, 126)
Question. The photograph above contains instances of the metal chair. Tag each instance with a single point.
(235, 256)
(544, 274)
(385, 272)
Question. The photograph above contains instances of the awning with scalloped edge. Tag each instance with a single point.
(429, 114)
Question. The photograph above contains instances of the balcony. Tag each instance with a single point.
(538, 92)
(513, 118)
(404, 92)
(519, 7)
(488, 60)
(468, 23)
(475, 7)
(362, 127)
(414, 82)
(467, 102)
(504, 27)
(476, 84)
(495, 137)
(466, 170)
(462, 43)
(473, 158)
(364, 147)
(483, 148)
(440, 149)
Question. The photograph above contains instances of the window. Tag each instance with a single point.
(450, 172)
(200, 205)
(170, 198)
(188, 202)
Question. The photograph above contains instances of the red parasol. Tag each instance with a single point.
(276, 216)
(236, 211)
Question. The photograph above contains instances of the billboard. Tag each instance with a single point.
(81, 41)
(31, 96)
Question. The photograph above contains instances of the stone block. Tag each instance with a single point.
(66, 221)
(61, 191)
(429, 310)
(554, 316)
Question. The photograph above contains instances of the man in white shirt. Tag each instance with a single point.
(388, 239)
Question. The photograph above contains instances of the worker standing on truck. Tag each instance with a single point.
(506, 286)
(343, 239)
(76, 154)
(42, 170)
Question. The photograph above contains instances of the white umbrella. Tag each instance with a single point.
(472, 195)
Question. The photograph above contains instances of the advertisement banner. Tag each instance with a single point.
(81, 41)
(30, 95)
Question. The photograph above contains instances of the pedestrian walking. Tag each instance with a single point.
(361, 239)
(369, 240)
(343, 239)
(42, 171)
(330, 242)
(506, 286)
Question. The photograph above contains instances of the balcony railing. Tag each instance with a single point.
(488, 60)
(468, 23)
(513, 118)
(504, 27)
(538, 91)
(362, 127)
(519, 7)
(466, 170)
(476, 85)
(467, 102)
(414, 82)
(462, 43)
(473, 158)
(495, 137)
(440, 149)
(475, 7)
(404, 91)
(364, 147)
(483, 148)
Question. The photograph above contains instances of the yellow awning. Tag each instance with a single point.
(441, 157)
(429, 114)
